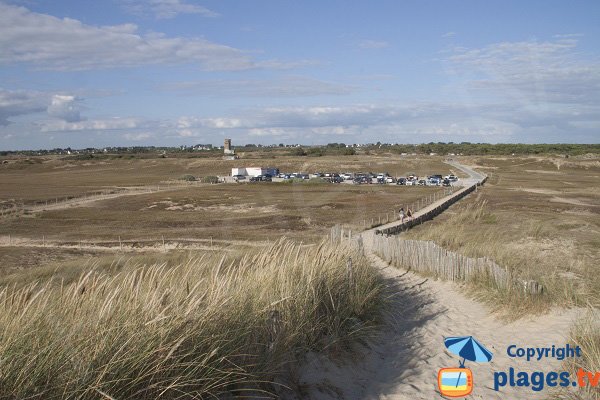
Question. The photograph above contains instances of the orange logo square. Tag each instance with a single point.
(455, 382)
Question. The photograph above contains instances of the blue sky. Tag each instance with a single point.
(88, 73)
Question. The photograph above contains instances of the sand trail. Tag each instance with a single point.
(403, 362)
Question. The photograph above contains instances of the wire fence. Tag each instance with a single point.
(157, 243)
(17, 208)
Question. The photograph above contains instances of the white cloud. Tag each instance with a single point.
(47, 42)
(293, 86)
(92, 125)
(64, 107)
(165, 9)
(372, 44)
(21, 102)
(449, 34)
(531, 72)
(137, 137)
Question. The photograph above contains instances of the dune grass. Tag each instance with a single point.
(585, 334)
(531, 247)
(202, 328)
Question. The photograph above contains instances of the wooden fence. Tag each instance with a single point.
(429, 214)
(429, 258)
(426, 256)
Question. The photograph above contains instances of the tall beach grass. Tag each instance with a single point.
(204, 328)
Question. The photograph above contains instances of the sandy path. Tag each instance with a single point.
(402, 363)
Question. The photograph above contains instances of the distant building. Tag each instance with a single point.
(254, 171)
(227, 149)
(228, 152)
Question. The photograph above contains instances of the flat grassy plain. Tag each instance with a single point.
(539, 217)
(48, 177)
(226, 215)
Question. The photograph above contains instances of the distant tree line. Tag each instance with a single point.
(467, 148)
(441, 148)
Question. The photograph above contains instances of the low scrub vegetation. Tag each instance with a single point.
(205, 327)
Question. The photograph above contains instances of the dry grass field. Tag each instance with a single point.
(539, 217)
(46, 178)
(262, 211)
(215, 216)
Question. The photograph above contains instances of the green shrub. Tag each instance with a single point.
(187, 178)
(210, 179)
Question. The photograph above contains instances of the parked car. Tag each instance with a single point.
(446, 182)
(239, 177)
(363, 180)
(422, 182)
(401, 181)
(390, 179)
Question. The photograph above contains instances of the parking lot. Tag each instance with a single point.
(367, 178)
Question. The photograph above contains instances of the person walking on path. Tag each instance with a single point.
(409, 214)
(402, 215)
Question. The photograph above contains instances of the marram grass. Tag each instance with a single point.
(206, 327)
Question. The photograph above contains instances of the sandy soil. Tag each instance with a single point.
(403, 362)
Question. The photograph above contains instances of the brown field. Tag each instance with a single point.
(263, 211)
(46, 178)
(226, 216)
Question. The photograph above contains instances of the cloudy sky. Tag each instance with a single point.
(89, 73)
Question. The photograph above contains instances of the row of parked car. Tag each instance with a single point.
(361, 178)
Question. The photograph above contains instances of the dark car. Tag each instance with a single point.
(401, 181)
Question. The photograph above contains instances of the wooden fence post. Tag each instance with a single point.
(350, 272)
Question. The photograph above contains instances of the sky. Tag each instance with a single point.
(89, 73)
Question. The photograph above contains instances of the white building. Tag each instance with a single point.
(254, 171)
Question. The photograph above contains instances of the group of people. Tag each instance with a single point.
(408, 214)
